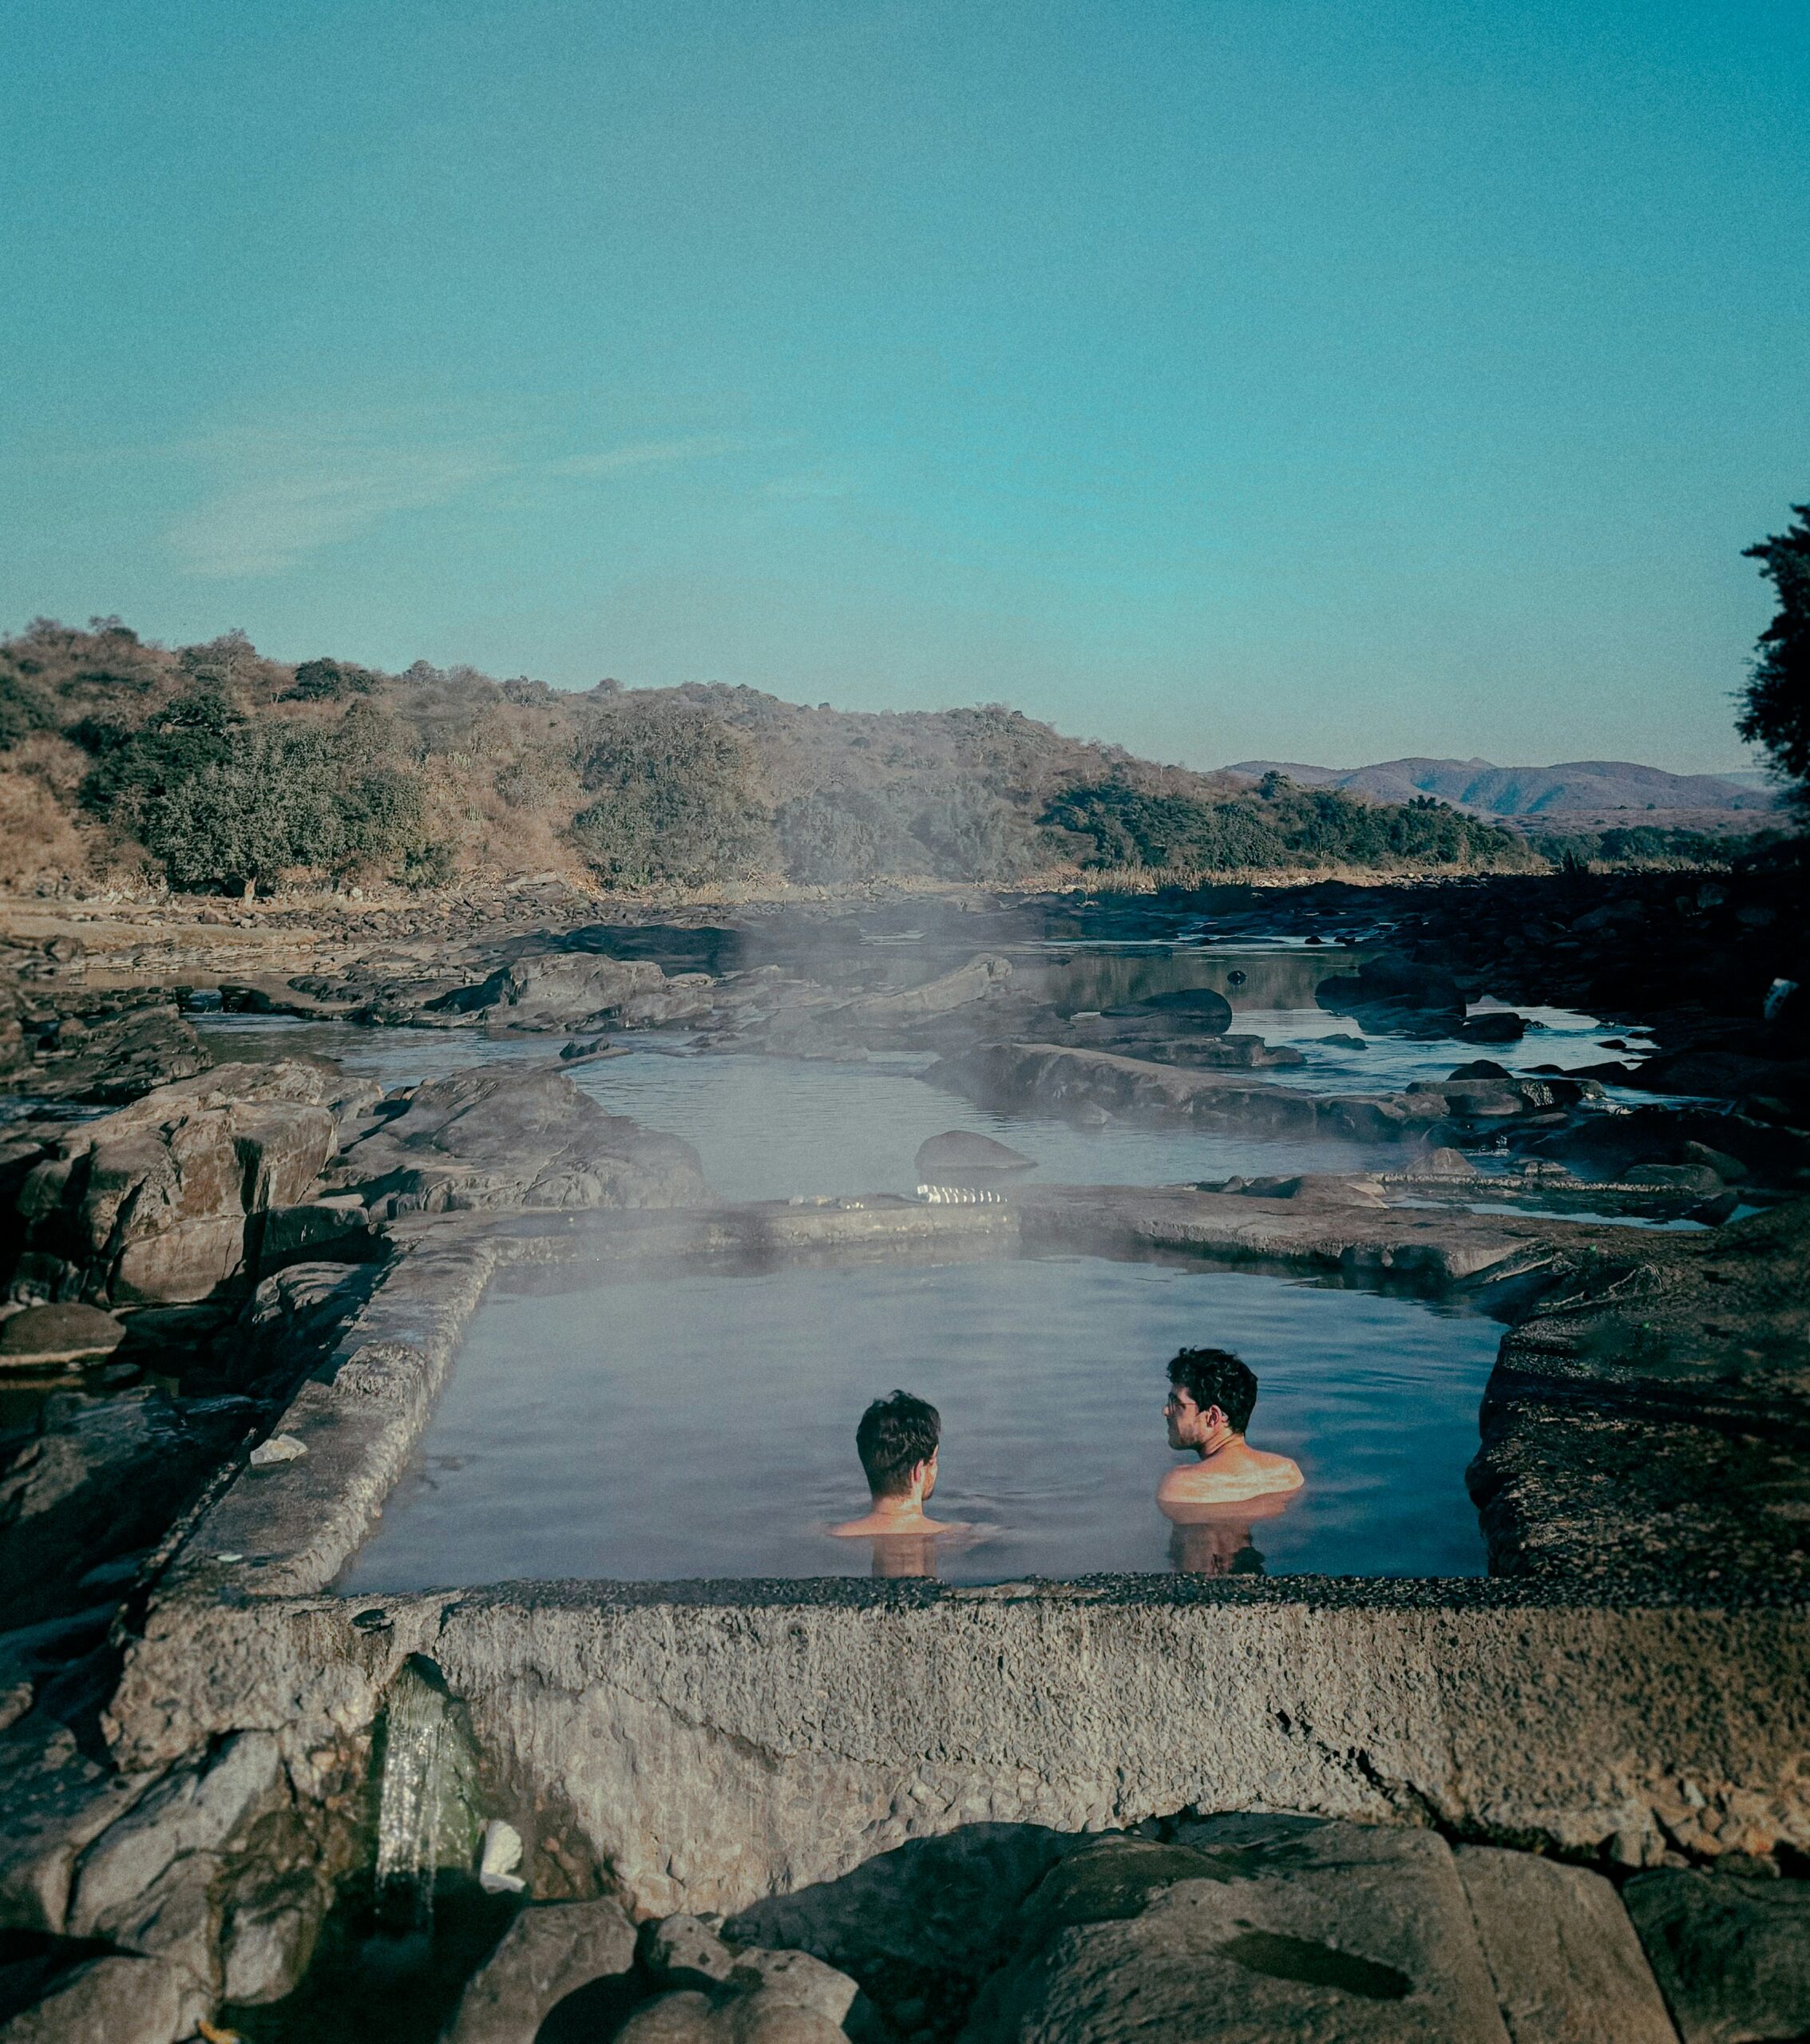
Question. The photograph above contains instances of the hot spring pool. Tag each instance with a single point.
(702, 1425)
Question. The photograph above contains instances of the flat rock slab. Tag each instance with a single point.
(1567, 1966)
(1733, 1956)
(41, 1336)
(1249, 1929)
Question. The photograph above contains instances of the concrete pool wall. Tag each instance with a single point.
(703, 1744)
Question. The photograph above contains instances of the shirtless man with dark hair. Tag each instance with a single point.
(1211, 1395)
(897, 1440)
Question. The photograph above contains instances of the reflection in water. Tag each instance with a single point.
(1215, 1539)
(905, 1554)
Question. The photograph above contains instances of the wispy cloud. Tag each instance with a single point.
(649, 454)
(277, 494)
(800, 489)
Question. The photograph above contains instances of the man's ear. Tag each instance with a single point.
(1214, 1416)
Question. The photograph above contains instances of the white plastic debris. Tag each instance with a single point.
(960, 1195)
(497, 1858)
(279, 1447)
(1777, 994)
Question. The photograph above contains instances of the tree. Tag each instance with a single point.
(1777, 714)
(674, 798)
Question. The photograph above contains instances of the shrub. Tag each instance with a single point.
(674, 798)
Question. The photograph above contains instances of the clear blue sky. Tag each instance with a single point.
(1226, 377)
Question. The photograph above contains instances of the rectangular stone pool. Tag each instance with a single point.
(662, 1427)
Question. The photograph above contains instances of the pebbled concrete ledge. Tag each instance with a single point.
(709, 1743)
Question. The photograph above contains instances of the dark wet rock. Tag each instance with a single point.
(152, 1203)
(1070, 1082)
(498, 1137)
(1567, 1966)
(1607, 1406)
(1443, 1163)
(1479, 1068)
(1730, 1170)
(1725, 1074)
(1605, 1146)
(116, 1059)
(109, 2000)
(1314, 1188)
(1251, 1927)
(1198, 1007)
(959, 1150)
(100, 1476)
(1495, 1026)
(1733, 1956)
(1391, 992)
(549, 1952)
(70, 1333)
(578, 990)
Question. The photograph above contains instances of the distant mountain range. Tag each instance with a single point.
(1569, 793)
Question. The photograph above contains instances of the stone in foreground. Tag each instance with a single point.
(1567, 1966)
(1733, 1956)
(1249, 1928)
(547, 1953)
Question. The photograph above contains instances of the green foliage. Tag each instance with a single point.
(1776, 712)
(328, 681)
(1650, 846)
(836, 835)
(25, 706)
(1113, 823)
(134, 770)
(675, 800)
(218, 801)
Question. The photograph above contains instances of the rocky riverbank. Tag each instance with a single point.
(235, 1288)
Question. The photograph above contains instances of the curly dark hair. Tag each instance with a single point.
(895, 1434)
(1215, 1376)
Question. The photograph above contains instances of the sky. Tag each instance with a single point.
(1224, 378)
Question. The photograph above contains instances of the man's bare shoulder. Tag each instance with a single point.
(1253, 1475)
(872, 1527)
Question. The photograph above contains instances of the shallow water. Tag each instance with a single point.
(654, 1430)
(779, 1128)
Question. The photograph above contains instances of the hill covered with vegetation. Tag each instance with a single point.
(212, 768)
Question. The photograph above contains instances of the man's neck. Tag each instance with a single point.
(903, 1507)
(1221, 1437)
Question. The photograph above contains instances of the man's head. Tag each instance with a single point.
(897, 1442)
(1208, 1388)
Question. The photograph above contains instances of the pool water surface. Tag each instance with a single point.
(661, 1427)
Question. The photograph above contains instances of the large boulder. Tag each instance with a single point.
(109, 2000)
(566, 991)
(1567, 1966)
(114, 1058)
(503, 1136)
(43, 1337)
(1185, 1007)
(150, 1203)
(959, 1150)
(548, 1953)
(1393, 992)
(1248, 1926)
